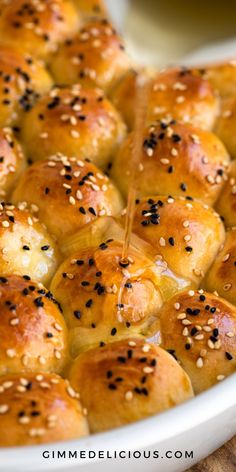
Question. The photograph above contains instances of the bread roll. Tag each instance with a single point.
(67, 193)
(33, 333)
(222, 77)
(76, 122)
(226, 204)
(226, 125)
(91, 9)
(177, 159)
(126, 381)
(222, 275)
(199, 328)
(37, 26)
(103, 297)
(184, 95)
(94, 57)
(12, 161)
(185, 233)
(22, 80)
(123, 96)
(38, 409)
(25, 245)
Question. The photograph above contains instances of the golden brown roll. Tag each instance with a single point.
(226, 204)
(199, 328)
(68, 193)
(91, 9)
(104, 297)
(94, 57)
(33, 333)
(226, 125)
(185, 233)
(22, 80)
(222, 275)
(222, 77)
(39, 408)
(25, 245)
(176, 159)
(123, 96)
(37, 26)
(126, 381)
(183, 95)
(12, 161)
(75, 121)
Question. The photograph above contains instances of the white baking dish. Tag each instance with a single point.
(201, 425)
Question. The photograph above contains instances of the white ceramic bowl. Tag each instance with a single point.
(200, 425)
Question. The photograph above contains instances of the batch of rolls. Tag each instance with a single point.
(89, 341)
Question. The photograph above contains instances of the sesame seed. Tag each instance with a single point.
(199, 363)
(129, 395)
(11, 353)
(4, 409)
(148, 370)
(220, 377)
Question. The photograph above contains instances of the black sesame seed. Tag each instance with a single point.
(121, 359)
(113, 331)
(38, 302)
(45, 248)
(89, 303)
(171, 241)
(77, 314)
(228, 356)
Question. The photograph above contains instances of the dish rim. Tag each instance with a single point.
(158, 428)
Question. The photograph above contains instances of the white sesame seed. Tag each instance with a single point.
(148, 370)
(4, 409)
(42, 360)
(75, 134)
(5, 224)
(14, 321)
(129, 396)
(162, 242)
(220, 377)
(11, 353)
(199, 363)
(146, 348)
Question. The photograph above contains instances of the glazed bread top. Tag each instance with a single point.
(225, 125)
(39, 408)
(91, 9)
(184, 233)
(177, 159)
(22, 80)
(67, 193)
(222, 274)
(33, 333)
(12, 161)
(94, 57)
(25, 245)
(199, 328)
(126, 381)
(86, 122)
(226, 204)
(222, 76)
(105, 297)
(184, 95)
(37, 26)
